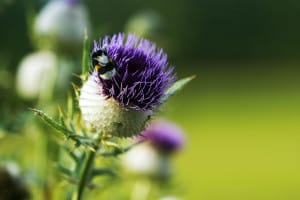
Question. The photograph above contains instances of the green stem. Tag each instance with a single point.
(85, 174)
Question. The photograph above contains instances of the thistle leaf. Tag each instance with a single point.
(178, 85)
(52, 123)
(75, 157)
(69, 134)
(103, 171)
(61, 116)
(64, 170)
(117, 151)
(83, 140)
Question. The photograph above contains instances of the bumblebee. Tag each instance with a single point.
(103, 64)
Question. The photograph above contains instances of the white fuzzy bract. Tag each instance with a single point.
(105, 115)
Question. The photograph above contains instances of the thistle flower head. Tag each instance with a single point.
(127, 83)
(145, 161)
(152, 157)
(164, 136)
(143, 73)
(36, 74)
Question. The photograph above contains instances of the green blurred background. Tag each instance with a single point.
(241, 113)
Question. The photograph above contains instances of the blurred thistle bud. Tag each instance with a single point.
(36, 74)
(126, 85)
(11, 185)
(151, 158)
(145, 24)
(144, 160)
(60, 26)
(164, 136)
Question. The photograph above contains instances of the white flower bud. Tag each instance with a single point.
(146, 161)
(36, 74)
(61, 25)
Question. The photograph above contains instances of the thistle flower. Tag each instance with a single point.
(60, 25)
(144, 160)
(126, 85)
(35, 75)
(40, 74)
(163, 136)
(152, 157)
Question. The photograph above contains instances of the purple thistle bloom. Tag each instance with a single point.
(143, 73)
(164, 136)
(127, 83)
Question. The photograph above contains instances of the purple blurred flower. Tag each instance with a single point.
(152, 157)
(143, 73)
(164, 136)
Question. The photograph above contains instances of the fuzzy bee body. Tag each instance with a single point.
(103, 64)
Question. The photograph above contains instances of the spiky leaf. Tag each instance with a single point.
(178, 85)
(52, 122)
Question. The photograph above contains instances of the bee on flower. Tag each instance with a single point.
(127, 83)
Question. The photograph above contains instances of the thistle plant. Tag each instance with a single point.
(150, 159)
(150, 162)
(125, 80)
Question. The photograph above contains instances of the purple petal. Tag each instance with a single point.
(164, 136)
(143, 73)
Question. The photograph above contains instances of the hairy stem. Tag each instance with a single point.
(86, 172)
